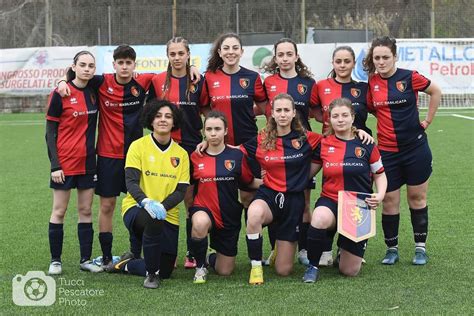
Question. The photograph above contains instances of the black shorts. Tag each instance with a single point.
(223, 240)
(110, 177)
(287, 210)
(412, 166)
(81, 182)
(355, 248)
(169, 235)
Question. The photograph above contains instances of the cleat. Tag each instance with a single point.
(152, 281)
(189, 261)
(270, 261)
(391, 256)
(107, 264)
(311, 274)
(121, 262)
(210, 252)
(200, 276)
(326, 259)
(303, 257)
(55, 268)
(420, 258)
(90, 266)
(256, 275)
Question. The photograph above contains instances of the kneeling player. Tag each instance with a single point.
(216, 209)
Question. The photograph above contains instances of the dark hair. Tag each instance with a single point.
(125, 51)
(337, 103)
(215, 61)
(70, 74)
(169, 69)
(152, 107)
(217, 115)
(332, 74)
(301, 69)
(379, 41)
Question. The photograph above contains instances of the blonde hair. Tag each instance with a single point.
(340, 102)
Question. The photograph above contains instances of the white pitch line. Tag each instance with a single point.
(464, 117)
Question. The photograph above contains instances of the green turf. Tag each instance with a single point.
(440, 287)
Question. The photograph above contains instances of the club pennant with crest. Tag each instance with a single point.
(401, 85)
(244, 82)
(355, 92)
(301, 88)
(355, 219)
(174, 161)
(229, 164)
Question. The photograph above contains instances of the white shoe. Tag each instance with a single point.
(270, 261)
(91, 267)
(200, 276)
(55, 268)
(303, 257)
(326, 259)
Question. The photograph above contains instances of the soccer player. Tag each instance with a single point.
(347, 164)
(175, 85)
(157, 176)
(70, 136)
(402, 141)
(216, 210)
(290, 75)
(283, 149)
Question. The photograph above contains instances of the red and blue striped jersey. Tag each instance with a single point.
(347, 165)
(394, 102)
(287, 167)
(218, 178)
(330, 89)
(234, 95)
(190, 132)
(77, 118)
(303, 91)
(120, 107)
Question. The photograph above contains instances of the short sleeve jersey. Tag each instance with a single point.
(288, 166)
(77, 118)
(218, 178)
(161, 172)
(190, 132)
(347, 165)
(303, 91)
(394, 102)
(330, 89)
(234, 95)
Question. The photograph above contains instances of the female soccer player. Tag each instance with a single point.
(283, 149)
(216, 210)
(175, 85)
(402, 141)
(157, 176)
(347, 164)
(70, 136)
(290, 75)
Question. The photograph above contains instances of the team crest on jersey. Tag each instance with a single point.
(244, 82)
(174, 161)
(229, 164)
(296, 143)
(192, 88)
(401, 85)
(359, 152)
(355, 92)
(301, 88)
(134, 91)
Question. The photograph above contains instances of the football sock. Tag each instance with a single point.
(329, 240)
(56, 235)
(85, 234)
(199, 248)
(189, 227)
(254, 246)
(105, 239)
(390, 225)
(272, 235)
(152, 245)
(135, 245)
(419, 221)
(316, 241)
(212, 260)
(303, 236)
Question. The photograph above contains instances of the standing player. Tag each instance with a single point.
(157, 175)
(347, 164)
(216, 210)
(70, 136)
(290, 75)
(402, 141)
(283, 149)
(175, 85)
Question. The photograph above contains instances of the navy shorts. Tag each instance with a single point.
(412, 166)
(223, 240)
(169, 235)
(110, 177)
(81, 182)
(355, 248)
(287, 210)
